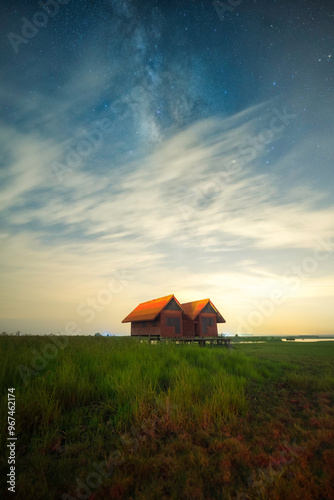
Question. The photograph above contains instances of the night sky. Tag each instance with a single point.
(160, 147)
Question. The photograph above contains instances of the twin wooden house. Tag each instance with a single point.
(166, 317)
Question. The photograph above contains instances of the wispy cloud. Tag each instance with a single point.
(194, 214)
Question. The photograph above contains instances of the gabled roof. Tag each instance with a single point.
(193, 309)
(148, 311)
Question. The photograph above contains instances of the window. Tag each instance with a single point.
(205, 323)
(175, 322)
(143, 325)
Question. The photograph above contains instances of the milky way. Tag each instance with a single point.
(168, 138)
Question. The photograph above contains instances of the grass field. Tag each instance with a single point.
(114, 418)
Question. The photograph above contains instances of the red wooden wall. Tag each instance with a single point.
(169, 331)
(211, 330)
(187, 326)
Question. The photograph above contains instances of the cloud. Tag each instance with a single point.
(193, 217)
(198, 182)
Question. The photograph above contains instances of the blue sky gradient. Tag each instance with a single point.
(155, 149)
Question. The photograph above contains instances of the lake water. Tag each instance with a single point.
(284, 340)
(307, 340)
(250, 341)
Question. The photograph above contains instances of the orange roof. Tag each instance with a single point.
(192, 309)
(148, 311)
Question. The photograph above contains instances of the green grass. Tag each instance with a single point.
(169, 421)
